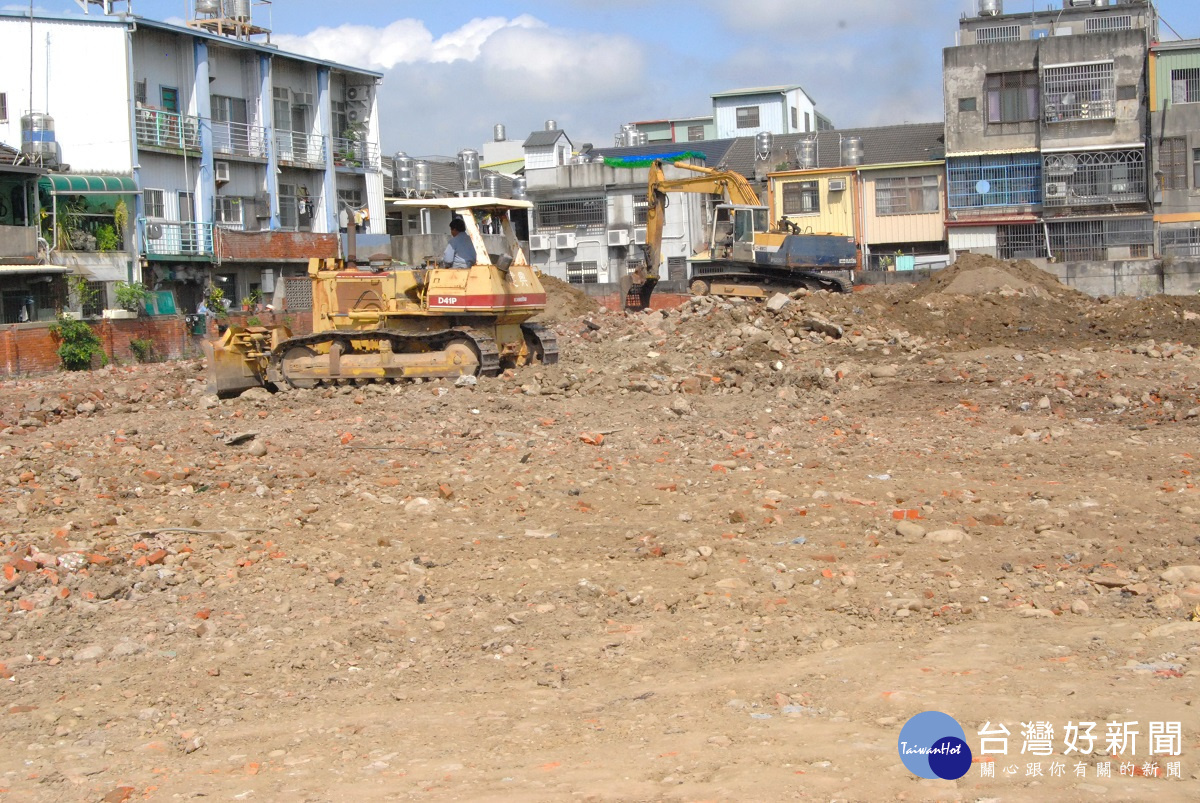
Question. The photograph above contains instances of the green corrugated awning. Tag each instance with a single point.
(82, 184)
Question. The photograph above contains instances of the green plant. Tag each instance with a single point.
(142, 348)
(253, 300)
(120, 216)
(253, 320)
(82, 293)
(106, 238)
(214, 300)
(132, 295)
(78, 344)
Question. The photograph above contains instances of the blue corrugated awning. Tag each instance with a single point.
(82, 184)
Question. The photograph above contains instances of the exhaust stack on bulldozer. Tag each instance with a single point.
(372, 322)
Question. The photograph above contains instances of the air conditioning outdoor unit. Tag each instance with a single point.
(1056, 189)
(355, 92)
(837, 185)
(566, 241)
(639, 236)
(539, 242)
(618, 237)
(221, 172)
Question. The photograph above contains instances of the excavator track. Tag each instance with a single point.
(544, 340)
(484, 345)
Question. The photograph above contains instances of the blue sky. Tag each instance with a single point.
(453, 70)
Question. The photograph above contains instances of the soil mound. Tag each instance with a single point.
(976, 274)
(564, 302)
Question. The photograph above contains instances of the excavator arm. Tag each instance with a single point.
(731, 184)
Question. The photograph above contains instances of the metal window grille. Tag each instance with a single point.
(998, 33)
(587, 214)
(747, 117)
(1196, 167)
(1024, 241)
(907, 195)
(154, 203)
(1180, 242)
(801, 198)
(1095, 178)
(289, 207)
(989, 181)
(1120, 22)
(1172, 161)
(583, 272)
(297, 293)
(1012, 97)
(1086, 240)
(97, 299)
(3, 107)
(1075, 92)
(1185, 85)
(695, 133)
(640, 210)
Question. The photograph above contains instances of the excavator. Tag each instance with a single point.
(376, 320)
(745, 256)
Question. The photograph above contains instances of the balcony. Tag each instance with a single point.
(239, 139)
(176, 238)
(354, 153)
(168, 131)
(296, 149)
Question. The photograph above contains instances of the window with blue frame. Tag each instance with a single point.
(977, 182)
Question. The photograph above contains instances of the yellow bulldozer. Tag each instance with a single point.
(379, 320)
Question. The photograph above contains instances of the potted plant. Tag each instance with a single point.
(131, 298)
(251, 302)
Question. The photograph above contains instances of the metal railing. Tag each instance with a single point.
(176, 238)
(296, 148)
(355, 153)
(156, 128)
(1095, 178)
(239, 139)
(991, 181)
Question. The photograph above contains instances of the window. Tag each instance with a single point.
(908, 195)
(994, 180)
(1180, 241)
(583, 272)
(3, 107)
(795, 118)
(228, 110)
(968, 104)
(1185, 85)
(695, 133)
(282, 106)
(340, 121)
(229, 212)
(1012, 97)
(1095, 178)
(1079, 92)
(640, 209)
(155, 203)
(801, 198)
(1021, 241)
(747, 117)
(139, 92)
(1172, 161)
(1121, 22)
(807, 121)
(289, 206)
(577, 213)
(1089, 240)
(96, 299)
(998, 33)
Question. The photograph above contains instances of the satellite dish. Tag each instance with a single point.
(154, 231)
(983, 187)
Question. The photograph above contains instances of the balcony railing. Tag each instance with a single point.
(162, 129)
(176, 238)
(355, 153)
(296, 148)
(239, 139)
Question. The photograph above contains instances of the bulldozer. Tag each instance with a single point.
(377, 320)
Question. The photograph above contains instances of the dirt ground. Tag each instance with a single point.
(719, 553)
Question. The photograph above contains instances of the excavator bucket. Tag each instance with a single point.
(232, 362)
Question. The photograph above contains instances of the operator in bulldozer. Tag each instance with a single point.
(460, 252)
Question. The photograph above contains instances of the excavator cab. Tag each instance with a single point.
(748, 223)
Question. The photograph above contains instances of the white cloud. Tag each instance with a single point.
(553, 65)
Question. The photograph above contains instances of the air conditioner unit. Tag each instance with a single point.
(837, 185)
(539, 242)
(618, 237)
(639, 236)
(566, 241)
(221, 172)
(1056, 189)
(355, 92)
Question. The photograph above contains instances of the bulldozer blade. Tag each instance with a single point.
(228, 371)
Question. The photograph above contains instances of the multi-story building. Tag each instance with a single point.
(205, 154)
(1046, 134)
(1175, 145)
(30, 288)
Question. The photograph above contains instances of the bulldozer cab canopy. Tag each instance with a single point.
(481, 216)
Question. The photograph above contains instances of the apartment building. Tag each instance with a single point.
(1046, 132)
(1175, 145)
(204, 155)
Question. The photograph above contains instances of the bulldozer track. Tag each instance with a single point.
(546, 339)
(485, 345)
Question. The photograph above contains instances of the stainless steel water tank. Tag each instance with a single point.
(37, 138)
(762, 144)
(806, 153)
(852, 151)
(468, 167)
(491, 185)
(991, 8)
(421, 179)
(402, 167)
(498, 134)
(238, 10)
(551, 125)
(518, 188)
(210, 7)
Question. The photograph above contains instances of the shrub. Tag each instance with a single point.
(132, 295)
(78, 344)
(142, 348)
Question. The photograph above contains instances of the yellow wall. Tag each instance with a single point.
(837, 209)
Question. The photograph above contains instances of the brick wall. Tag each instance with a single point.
(275, 246)
(300, 323)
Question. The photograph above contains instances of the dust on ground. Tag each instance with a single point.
(720, 552)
